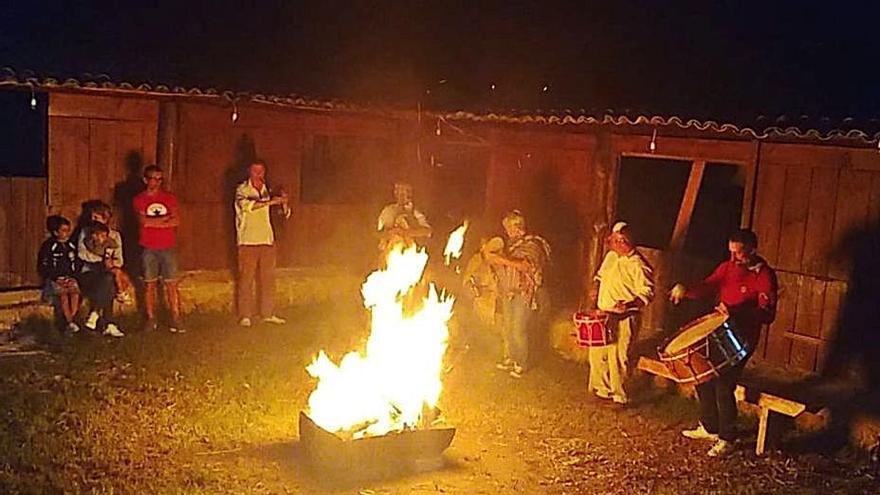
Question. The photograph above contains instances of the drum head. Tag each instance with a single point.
(695, 331)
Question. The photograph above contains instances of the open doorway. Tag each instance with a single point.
(681, 213)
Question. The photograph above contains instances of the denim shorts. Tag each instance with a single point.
(159, 263)
(52, 288)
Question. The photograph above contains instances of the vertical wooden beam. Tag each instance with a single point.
(751, 185)
(603, 188)
(670, 259)
(687, 207)
(167, 139)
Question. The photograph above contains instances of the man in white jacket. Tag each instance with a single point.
(256, 244)
(624, 285)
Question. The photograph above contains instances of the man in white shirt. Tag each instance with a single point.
(624, 286)
(401, 221)
(256, 244)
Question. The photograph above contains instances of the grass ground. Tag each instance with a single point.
(215, 410)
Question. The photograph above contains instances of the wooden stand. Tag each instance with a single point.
(766, 402)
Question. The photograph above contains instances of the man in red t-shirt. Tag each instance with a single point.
(159, 216)
(746, 289)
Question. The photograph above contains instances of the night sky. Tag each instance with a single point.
(703, 59)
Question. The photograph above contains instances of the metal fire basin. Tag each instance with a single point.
(371, 455)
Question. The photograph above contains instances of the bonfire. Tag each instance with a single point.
(395, 382)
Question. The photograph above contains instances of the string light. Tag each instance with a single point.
(437, 131)
(545, 88)
(33, 98)
(234, 112)
(652, 146)
(492, 87)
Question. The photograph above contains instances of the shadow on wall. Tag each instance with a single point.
(553, 216)
(126, 218)
(850, 382)
(856, 351)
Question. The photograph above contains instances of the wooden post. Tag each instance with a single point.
(763, 417)
(667, 269)
(167, 140)
(687, 207)
(603, 192)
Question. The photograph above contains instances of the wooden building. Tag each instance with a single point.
(806, 191)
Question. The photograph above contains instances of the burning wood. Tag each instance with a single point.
(394, 385)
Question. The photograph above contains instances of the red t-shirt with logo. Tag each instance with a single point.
(156, 206)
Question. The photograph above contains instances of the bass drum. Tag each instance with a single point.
(704, 348)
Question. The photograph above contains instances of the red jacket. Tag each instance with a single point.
(749, 292)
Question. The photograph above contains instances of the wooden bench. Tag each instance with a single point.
(16, 305)
(765, 402)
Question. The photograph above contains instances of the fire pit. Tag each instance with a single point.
(391, 451)
(376, 409)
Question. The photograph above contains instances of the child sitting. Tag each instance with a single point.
(58, 264)
(107, 251)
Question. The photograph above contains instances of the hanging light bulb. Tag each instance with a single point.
(33, 99)
(545, 88)
(437, 131)
(234, 113)
(492, 87)
(652, 146)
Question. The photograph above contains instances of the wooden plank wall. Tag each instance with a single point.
(211, 162)
(811, 201)
(547, 176)
(97, 148)
(22, 229)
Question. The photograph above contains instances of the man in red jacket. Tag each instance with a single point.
(746, 289)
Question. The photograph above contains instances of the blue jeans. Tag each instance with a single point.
(515, 314)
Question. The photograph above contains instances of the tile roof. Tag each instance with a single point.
(101, 82)
(863, 131)
(762, 127)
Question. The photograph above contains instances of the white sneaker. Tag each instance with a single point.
(245, 322)
(516, 371)
(113, 331)
(722, 448)
(603, 394)
(505, 365)
(92, 321)
(620, 400)
(176, 327)
(275, 320)
(699, 433)
(72, 327)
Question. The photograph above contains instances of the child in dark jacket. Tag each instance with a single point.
(58, 264)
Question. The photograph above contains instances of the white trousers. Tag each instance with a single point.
(609, 364)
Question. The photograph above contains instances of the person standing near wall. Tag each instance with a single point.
(256, 245)
(159, 216)
(520, 275)
(623, 286)
(401, 221)
(747, 291)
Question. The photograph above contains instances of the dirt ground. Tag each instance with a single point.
(215, 411)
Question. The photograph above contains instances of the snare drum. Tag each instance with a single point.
(592, 330)
(703, 348)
